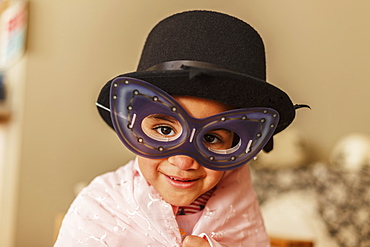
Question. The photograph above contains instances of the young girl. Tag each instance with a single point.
(195, 112)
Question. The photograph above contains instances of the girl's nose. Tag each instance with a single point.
(183, 162)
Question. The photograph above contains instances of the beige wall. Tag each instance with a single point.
(317, 50)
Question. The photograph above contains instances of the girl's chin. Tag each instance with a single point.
(181, 202)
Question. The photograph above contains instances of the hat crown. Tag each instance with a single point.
(209, 37)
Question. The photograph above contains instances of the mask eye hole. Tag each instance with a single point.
(221, 141)
(161, 127)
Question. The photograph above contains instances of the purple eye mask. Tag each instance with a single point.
(152, 124)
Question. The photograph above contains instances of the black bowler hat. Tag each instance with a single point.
(209, 55)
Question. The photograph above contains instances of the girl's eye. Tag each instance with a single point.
(161, 127)
(165, 130)
(211, 139)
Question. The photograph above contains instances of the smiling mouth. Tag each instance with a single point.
(182, 180)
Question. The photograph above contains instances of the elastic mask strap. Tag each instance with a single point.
(102, 107)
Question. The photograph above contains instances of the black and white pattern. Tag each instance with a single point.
(343, 197)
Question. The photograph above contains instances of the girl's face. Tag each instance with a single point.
(180, 179)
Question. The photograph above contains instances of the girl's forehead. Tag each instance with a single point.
(201, 107)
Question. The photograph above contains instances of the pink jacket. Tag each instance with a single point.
(121, 209)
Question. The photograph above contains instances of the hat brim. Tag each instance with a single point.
(239, 90)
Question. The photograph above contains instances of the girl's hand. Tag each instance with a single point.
(195, 241)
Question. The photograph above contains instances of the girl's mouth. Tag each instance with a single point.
(182, 180)
(181, 183)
